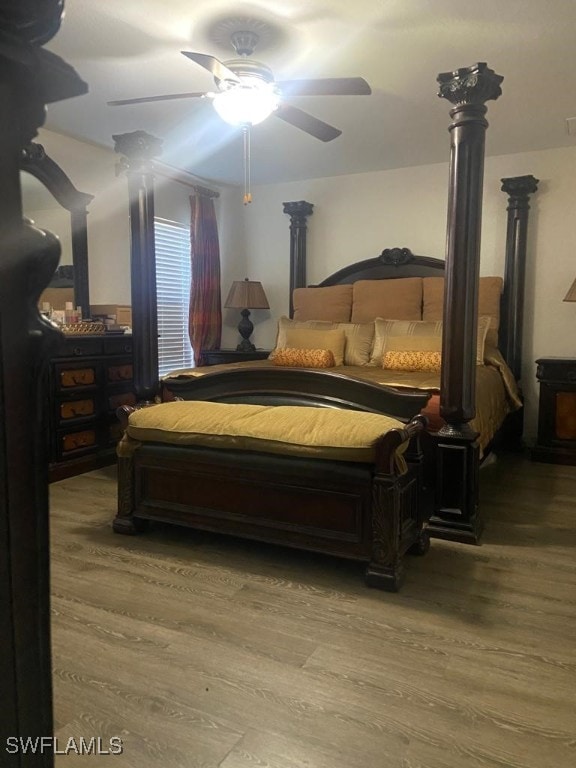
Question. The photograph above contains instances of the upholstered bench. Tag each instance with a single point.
(342, 482)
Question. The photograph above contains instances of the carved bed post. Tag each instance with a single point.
(30, 77)
(298, 212)
(518, 188)
(138, 149)
(456, 503)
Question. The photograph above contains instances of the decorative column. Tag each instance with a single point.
(138, 149)
(298, 212)
(456, 503)
(519, 189)
(30, 77)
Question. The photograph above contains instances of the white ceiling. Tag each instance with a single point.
(131, 48)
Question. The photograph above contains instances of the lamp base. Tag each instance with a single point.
(245, 328)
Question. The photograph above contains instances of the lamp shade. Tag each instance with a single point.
(571, 295)
(247, 294)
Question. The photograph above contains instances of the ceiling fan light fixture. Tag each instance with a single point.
(247, 103)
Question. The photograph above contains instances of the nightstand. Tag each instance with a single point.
(556, 411)
(218, 356)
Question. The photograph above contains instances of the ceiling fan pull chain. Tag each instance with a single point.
(247, 193)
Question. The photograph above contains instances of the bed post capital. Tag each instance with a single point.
(298, 210)
(470, 85)
(520, 186)
(137, 148)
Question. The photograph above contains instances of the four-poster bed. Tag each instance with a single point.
(452, 460)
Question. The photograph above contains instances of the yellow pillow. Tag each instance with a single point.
(304, 338)
(359, 337)
(409, 329)
(304, 358)
(284, 323)
(412, 360)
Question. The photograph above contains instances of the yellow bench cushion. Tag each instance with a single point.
(326, 433)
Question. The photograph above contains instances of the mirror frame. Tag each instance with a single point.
(36, 162)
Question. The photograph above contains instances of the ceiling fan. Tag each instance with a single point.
(247, 92)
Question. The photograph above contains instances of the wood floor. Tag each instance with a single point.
(204, 651)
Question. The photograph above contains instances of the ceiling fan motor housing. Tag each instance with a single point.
(249, 68)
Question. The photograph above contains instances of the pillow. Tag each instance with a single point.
(285, 322)
(359, 340)
(489, 291)
(412, 360)
(359, 337)
(413, 343)
(407, 330)
(333, 303)
(304, 338)
(399, 297)
(304, 358)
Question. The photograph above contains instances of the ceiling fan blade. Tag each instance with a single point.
(214, 66)
(327, 86)
(144, 99)
(308, 123)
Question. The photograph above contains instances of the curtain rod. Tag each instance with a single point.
(183, 178)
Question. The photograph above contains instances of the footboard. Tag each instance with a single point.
(297, 386)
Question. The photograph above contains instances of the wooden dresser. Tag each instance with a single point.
(90, 376)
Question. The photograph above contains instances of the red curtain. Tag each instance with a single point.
(205, 322)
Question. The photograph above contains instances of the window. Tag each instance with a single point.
(173, 294)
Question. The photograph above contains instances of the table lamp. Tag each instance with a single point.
(246, 295)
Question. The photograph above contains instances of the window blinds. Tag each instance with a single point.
(173, 294)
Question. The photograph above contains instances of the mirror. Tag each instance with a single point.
(52, 202)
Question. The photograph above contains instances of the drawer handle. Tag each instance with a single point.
(77, 350)
(571, 375)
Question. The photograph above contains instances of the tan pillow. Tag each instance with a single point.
(408, 329)
(304, 338)
(359, 337)
(333, 303)
(489, 292)
(359, 340)
(413, 360)
(400, 298)
(304, 358)
(413, 343)
(285, 322)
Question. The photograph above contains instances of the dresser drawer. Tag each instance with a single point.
(69, 378)
(80, 347)
(76, 409)
(74, 442)
(121, 346)
(123, 372)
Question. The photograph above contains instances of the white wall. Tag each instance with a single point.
(355, 217)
